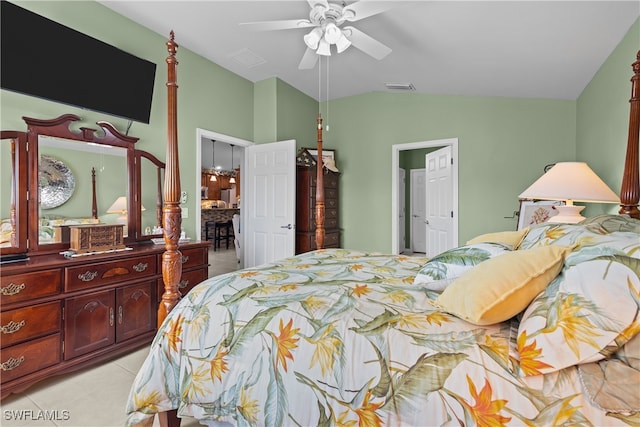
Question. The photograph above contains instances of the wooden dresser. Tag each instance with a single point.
(305, 209)
(60, 314)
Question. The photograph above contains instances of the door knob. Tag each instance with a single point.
(426, 221)
(288, 226)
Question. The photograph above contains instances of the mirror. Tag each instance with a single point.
(101, 165)
(150, 177)
(74, 176)
(13, 187)
(69, 172)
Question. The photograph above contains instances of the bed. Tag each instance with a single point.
(530, 327)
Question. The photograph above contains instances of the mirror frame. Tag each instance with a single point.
(18, 199)
(60, 127)
(137, 220)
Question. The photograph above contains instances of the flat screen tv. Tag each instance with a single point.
(42, 58)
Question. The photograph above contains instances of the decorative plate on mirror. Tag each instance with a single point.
(56, 182)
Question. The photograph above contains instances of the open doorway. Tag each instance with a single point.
(231, 152)
(398, 199)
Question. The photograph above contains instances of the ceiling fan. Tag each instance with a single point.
(326, 19)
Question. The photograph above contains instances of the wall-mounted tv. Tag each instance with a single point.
(42, 58)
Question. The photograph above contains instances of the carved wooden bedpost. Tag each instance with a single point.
(630, 189)
(319, 190)
(171, 258)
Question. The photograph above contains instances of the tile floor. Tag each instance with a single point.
(94, 397)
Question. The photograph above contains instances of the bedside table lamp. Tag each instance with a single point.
(570, 182)
(120, 207)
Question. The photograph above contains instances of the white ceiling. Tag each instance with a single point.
(539, 49)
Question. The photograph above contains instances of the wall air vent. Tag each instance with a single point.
(400, 86)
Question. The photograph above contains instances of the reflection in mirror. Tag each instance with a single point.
(13, 200)
(151, 180)
(6, 190)
(59, 160)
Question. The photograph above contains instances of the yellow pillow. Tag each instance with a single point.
(511, 238)
(502, 287)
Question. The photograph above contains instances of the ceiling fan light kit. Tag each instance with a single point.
(326, 18)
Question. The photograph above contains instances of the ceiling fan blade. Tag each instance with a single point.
(309, 60)
(323, 3)
(365, 43)
(366, 8)
(287, 24)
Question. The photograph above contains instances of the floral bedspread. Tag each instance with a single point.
(345, 338)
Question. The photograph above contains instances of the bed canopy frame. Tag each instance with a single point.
(171, 259)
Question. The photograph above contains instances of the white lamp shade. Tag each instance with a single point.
(332, 33)
(324, 48)
(342, 44)
(313, 38)
(119, 206)
(571, 181)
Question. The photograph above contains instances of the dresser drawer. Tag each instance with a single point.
(31, 356)
(26, 286)
(187, 281)
(192, 257)
(329, 179)
(91, 275)
(306, 241)
(29, 322)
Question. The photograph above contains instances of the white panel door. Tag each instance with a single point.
(418, 212)
(439, 182)
(402, 208)
(269, 218)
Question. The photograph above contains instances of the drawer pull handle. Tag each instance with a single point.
(120, 315)
(12, 327)
(12, 289)
(12, 363)
(87, 276)
(184, 259)
(111, 316)
(140, 267)
(183, 284)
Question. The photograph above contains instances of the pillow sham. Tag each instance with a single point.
(511, 238)
(590, 241)
(561, 234)
(500, 288)
(590, 312)
(614, 222)
(441, 270)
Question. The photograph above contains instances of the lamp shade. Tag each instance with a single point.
(313, 38)
(119, 206)
(571, 182)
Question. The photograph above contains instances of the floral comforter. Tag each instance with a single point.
(344, 338)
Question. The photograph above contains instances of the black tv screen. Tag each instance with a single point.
(42, 58)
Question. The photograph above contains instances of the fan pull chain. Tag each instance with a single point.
(326, 126)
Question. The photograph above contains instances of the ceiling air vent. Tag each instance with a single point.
(400, 86)
(247, 58)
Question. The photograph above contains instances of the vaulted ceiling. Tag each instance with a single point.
(539, 49)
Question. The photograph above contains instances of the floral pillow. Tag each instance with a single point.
(589, 241)
(585, 315)
(614, 223)
(441, 270)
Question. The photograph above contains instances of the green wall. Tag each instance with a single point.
(504, 144)
(209, 96)
(603, 117)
